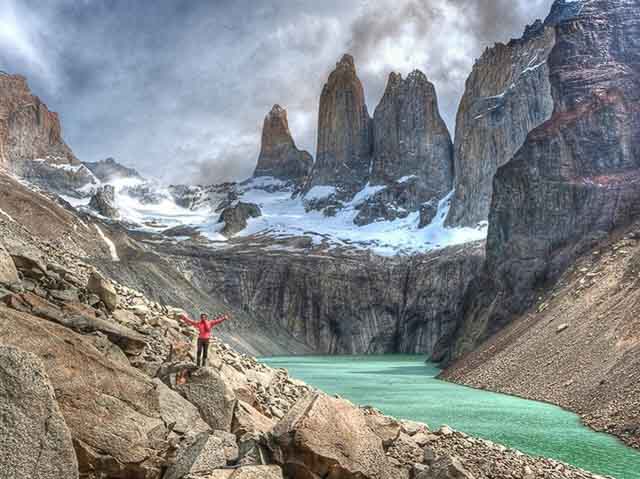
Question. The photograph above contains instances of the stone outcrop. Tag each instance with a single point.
(507, 95)
(345, 137)
(103, 202)
(235, 217)
(577, 177)
(279, 156)
(28, 130)
(109, 170)
(36, 442)
(411, 138)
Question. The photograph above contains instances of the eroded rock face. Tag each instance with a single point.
(507, 95)
(411, 138)
(344, 130)
(36, 442)
(577, 177)
(279, 156)
(28, 130)
(343, 304)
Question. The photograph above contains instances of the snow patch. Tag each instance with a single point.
(320, 193)
(7, 215)
(110, 245)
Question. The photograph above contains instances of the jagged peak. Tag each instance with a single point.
(347, 60)
(417, 75)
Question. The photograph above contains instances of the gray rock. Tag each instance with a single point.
(411, 138)
(235, 217)
(180, 414)
(206, 389)
(103, 201)
(36, 442)
(103, 288)
(448, 468)
(202, 458)
(8, 271)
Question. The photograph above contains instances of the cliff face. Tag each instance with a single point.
(577, 177)
(410, 136)
(28, 130)
(340, 303)
(344, 130)
(507, 95)
(279, 156)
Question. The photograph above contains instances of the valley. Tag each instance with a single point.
(508, 254)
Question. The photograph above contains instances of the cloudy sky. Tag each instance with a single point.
(179, 89)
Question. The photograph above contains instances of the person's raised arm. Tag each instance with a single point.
(220, 319)
(184, 319)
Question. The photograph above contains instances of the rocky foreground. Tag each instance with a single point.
(99, 382)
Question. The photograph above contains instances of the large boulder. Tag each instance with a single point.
(120, 425)
(102, 287)
(235, 217)
(35, 442)
(326, 437)
(202, 458)
(248, 472)
(8, 271)
(206, 389)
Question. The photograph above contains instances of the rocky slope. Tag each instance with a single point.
(507, 95)
(28, 130)
(109, 169)
(111, 373)
(337, 302)
(279, 156)
(578, 346)
(344, 131)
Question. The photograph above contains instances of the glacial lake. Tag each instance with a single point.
(406, 387)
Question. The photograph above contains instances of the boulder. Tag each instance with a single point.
(182, 416)
(248, 472)
(206, 389)
(326, 437)
(202, 458)
(102, 287)
(103, 201)
(447, 468)
(8, 271)
(279, 156)
(235, 217)
(36, 442)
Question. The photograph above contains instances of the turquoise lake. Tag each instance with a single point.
(406, 387)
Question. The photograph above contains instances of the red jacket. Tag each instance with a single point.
(204, 327)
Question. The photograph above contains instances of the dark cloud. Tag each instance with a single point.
(179, 89)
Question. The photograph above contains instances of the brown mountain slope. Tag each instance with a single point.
(578, 347)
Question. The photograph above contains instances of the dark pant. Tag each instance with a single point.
(203, 349)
